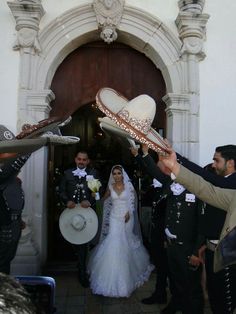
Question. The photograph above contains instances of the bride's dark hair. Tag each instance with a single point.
(118, 167)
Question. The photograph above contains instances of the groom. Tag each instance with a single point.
(74, 190)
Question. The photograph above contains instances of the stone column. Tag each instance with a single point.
(33, 107)
(191, 24)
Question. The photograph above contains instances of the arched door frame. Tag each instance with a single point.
(174, 56)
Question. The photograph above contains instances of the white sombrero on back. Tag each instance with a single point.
(134, 117)
(78, 225)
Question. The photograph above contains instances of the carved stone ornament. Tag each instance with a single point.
(193, 6)
(27, 38)
(27, 14)
(108, 14)
(192, 32)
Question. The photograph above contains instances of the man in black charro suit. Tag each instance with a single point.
(74, 190)
(183, 241)
(11, 204)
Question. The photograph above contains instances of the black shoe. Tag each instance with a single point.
(83, 280)
(155, 299)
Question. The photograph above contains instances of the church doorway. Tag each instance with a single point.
(75, 85)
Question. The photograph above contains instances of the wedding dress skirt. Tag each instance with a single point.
(120, 263)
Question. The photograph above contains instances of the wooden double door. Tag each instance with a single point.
(75, 84)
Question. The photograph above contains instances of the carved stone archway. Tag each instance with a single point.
(176, 57)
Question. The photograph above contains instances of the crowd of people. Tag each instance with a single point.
(192, 234)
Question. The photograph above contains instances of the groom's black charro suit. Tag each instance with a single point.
(75, 188)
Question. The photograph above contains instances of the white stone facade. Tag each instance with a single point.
(192, 43)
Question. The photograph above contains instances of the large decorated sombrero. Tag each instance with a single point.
(78, 225)
(133, 117)
(32, 137)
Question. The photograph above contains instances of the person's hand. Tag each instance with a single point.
(169, 160)
(163, 168)
(145, 149)
(70, 204)
(194, 261)
(85, 204)
(127, 217)
(134, 151)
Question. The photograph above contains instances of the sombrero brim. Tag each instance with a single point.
(71, 234)
(12, 148)
(108, 126)
(41, 127)
(110, 103)
(9, 149)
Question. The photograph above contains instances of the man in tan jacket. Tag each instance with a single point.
(225, 253)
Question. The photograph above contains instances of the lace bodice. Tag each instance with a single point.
(119, 202)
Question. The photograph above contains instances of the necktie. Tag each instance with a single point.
(79, 172)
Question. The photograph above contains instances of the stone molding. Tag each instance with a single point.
(108, 15)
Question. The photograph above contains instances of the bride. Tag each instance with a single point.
(119, 263)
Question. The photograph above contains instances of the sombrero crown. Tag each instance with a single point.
(135, 116)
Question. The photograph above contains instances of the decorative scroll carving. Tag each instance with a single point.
(27, 14)
(108, 14)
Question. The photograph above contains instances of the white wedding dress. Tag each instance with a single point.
(120, 263)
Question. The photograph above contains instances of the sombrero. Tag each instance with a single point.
(78, 225)
(35, 130)
(27, 142)
(134, 117)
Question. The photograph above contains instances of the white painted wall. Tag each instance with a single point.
(9, 65)
(218, 79)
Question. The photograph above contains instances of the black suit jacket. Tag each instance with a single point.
(186, 227)
(11, 193)
(74, 188)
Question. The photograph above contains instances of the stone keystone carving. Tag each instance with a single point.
(108, 14)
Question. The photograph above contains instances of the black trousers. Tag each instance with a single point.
(159, 257)
(9, 239)
(187, 291)
(221, 286)
(81, 252)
